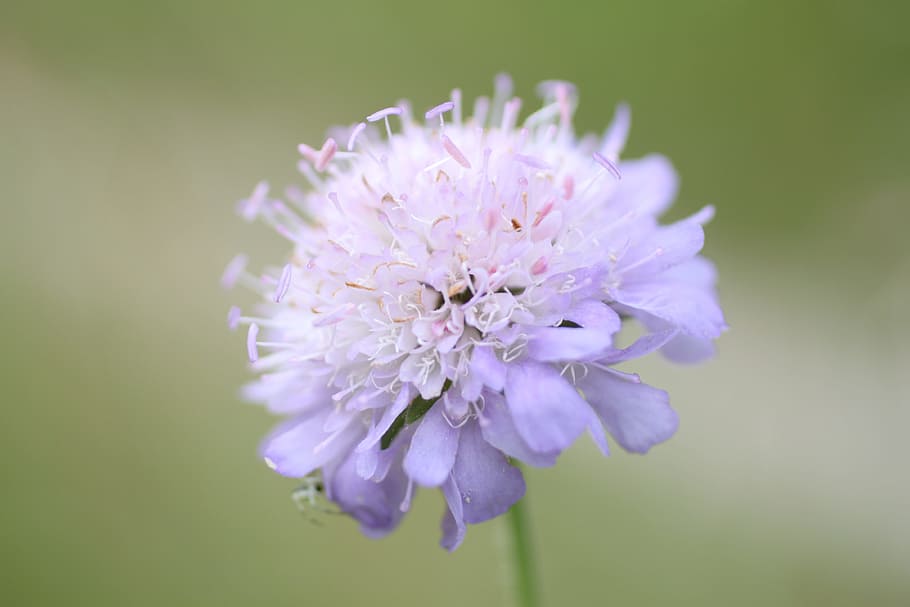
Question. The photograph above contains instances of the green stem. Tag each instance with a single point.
(520, 556)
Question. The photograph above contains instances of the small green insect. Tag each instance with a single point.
(310, 499)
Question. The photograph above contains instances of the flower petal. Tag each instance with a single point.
(487, 482)
(688, 349)
(499, 430)
(547, 410)
(387, 457)
(648, 185)
(597, 434)
(697, 273)
(376, 505)
(693, 310)
(388, 417)
(300, 446)
(289, 393)
(595, 315)
(452, 524)
(490, 369)
(641, 346)
(637, 415)
(665, 247)
(551, 344)
(367, 461)
(595, 335)
(432, 452)
(374, 463)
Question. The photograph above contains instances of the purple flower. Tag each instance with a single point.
(452, 300)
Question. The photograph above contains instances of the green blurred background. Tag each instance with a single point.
(129, 129)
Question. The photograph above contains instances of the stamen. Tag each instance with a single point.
(454, 152)
(384, 113)
(333, 196)
(549, 134)
(481, 108)
(308, 152)
(251, 349)
(278, 345)
(654, 255)
(568, 187)
(542, 115)
(285, 232)
(491, 217)
(615, 137)
(510, 114)
(284, 283)
(544, 211)
(540, 266)
(523, 133)
(321, 446)
(355, 132)
(298, 197)
(334, 317)
(407, 120)
(233, 271)
(502, 85)
(325, 154)
(233, 317)
(633, 378)
(250, 207)
(562, 98)
(262, 322)
(307, 171)
(483, 182)
(456, 101)
(532, 161)
(607, 164)
(440, 109)
(455, 425)
(408, 494)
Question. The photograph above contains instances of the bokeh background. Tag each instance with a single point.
(128, 130)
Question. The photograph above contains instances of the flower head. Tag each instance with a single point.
(452, 300)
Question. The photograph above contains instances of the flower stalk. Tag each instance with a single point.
(518, 549)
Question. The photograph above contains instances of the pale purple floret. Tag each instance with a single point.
(453, 300)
